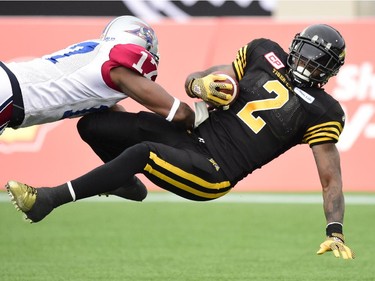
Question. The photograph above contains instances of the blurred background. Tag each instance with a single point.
(194, 35)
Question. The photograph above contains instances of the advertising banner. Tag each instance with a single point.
(53, 153)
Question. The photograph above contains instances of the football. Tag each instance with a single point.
(235, 90)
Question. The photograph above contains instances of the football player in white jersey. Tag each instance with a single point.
(90, 76)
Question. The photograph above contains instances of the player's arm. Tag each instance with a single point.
(327, 160)
(152, 96)
(205, 85)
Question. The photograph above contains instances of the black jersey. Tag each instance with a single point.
(270, 115)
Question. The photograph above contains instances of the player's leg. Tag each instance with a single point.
(6, 99)
(12, 111)
(109, 133)
(5, 112)
(36, 203)
(189, 173)
(181, 171)
(134, 190)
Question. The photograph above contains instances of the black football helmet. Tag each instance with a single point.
(315, 55)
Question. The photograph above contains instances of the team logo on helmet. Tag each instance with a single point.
(144, 32)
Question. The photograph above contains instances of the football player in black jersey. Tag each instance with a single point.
(281, 104)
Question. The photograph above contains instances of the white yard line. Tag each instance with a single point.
(350, 199)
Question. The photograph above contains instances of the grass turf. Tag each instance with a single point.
(182, 241)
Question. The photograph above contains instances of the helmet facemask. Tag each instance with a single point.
(313, 60)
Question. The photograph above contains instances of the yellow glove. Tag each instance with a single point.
(336, 244)
(209, 88)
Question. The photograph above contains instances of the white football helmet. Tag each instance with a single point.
(129, 29)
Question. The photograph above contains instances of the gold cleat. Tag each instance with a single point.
(22, 195)
(35, 203)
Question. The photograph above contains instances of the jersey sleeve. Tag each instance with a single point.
(239, 63)
(327, 129)
(133, 57)
(242, 59)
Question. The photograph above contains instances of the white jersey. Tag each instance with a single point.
(75, 80)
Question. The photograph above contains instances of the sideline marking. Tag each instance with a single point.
(264, 198)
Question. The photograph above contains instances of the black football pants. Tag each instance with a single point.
(168, 155)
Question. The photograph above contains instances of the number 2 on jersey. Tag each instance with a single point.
(246, 114)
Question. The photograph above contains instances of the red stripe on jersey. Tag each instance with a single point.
(6, 109)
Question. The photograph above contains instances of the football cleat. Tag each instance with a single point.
(22, 195)
(135, 190)
(29, 200)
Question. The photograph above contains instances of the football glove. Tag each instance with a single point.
(336, 244)
(209, 89)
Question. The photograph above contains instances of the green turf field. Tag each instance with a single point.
(181, 240)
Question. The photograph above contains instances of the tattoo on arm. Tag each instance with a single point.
(334, 205)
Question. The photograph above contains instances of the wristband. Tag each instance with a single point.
(333, 227)
(173, 110)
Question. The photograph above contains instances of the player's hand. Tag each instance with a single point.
(209, 89)
(337, 245)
